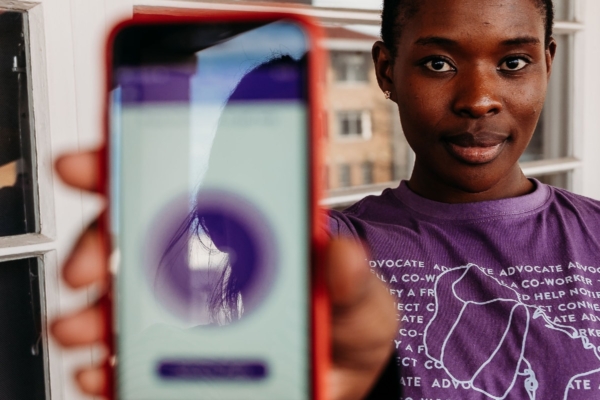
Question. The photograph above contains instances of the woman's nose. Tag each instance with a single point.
(478, 93)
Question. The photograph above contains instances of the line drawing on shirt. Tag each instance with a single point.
(520, 313)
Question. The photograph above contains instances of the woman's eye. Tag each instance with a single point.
(514, 64)
(439, 65)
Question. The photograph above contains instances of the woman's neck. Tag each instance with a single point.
(433, 187)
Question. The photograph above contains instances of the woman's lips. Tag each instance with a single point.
(476, 148)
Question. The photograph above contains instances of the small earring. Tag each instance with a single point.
(387, 94)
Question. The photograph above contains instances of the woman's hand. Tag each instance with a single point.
(363, 317)
(364, 322)
(87, 264)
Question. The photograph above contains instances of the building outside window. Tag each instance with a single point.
(363, 126)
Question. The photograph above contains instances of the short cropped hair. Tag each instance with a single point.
(396, 13)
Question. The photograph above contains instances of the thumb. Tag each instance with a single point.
(347, 274)
(364, 321)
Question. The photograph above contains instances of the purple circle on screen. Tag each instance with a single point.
(210, 258)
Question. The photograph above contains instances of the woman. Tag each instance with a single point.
(465, 244)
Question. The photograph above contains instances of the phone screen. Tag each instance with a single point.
(210, 211)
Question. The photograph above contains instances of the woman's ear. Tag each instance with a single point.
(383, 68)
(550, 53)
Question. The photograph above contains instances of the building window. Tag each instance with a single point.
(351, 66)
(367, 172)
(354, 124)
(344, 177)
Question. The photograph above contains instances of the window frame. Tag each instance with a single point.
(344, 175)
(42, 244)
(367, 171)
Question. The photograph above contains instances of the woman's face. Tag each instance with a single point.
(470, 79)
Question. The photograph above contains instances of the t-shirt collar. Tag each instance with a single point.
(484, 209)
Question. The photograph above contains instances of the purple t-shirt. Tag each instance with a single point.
(496, 300)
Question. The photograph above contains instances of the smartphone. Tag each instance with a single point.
(212, 165)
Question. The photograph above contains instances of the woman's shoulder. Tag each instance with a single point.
(574, 212)
(370, 209)
(565, 199)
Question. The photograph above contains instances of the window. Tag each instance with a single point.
(344, 175)
(354, 124)
(17, 189)
(350, 66)
(551, 137)
(21, 343)
(367, 172)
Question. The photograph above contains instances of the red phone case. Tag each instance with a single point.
(320, 315)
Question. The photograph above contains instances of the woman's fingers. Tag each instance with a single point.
(93, 380)
(81, 170)
(82, 328)
(364, 321)
(88, 263)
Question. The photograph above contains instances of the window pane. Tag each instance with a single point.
(349, 66)
(367, 173)
(563, 10)
(344, 178)
(21, 344)
(358, 122)
(551, 137)
(17, 188)
(352, 123)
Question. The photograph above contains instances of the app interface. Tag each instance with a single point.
(209, 214)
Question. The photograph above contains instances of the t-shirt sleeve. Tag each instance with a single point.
(339, 225)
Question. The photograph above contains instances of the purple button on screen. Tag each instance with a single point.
(211, 370)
